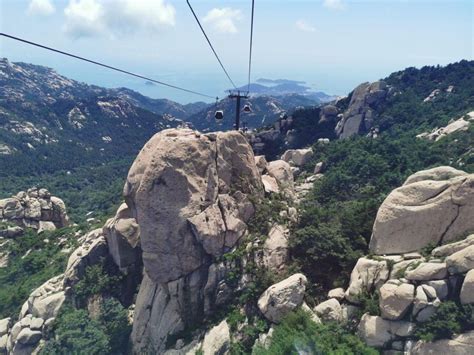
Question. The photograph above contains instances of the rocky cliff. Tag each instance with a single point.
(192, 234)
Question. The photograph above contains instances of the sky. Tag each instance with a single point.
(333, 45)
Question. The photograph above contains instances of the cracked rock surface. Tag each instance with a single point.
(433, 207)
(191, 195)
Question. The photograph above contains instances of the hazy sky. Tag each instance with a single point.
(333, 45)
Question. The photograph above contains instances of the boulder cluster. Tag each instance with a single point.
(36, 209)
(421, 258)
(28, 334)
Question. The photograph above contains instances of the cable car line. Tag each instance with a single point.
(251, 43)
(105, 66)
(210, 45)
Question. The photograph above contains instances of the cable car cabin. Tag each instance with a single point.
(247, 109)
(219, 116)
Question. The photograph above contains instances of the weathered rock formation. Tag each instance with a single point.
(36, 209)
(191, 196)
(461, 124)
(362, 111)
(433, 207)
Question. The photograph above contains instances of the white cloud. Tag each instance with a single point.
(304, 26)
(223, 20)
(86, 18)
(41, 7)
(334, 4)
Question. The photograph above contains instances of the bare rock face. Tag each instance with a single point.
(432, 207)
(123, 236)
(191, 196)
(362, 110)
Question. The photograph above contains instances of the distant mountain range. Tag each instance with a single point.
(46, 117)
(281, 87)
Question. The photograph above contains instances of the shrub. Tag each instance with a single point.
(297, 334)
(448, 320)
(96, 281)
(114, 319)
(76, 333)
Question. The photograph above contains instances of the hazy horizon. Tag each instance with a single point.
(332, 45)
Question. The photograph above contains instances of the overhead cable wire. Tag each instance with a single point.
(251, 44)
(210, 45)
(105, 66)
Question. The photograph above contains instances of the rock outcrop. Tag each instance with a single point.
(190, 194)
(432, 207)
(362, 111)
(35, 208)
(458, 125)
(411, 287)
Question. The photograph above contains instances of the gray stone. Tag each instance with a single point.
(448, 249)
(5, 325)
(461, 261)
(428, 271)
(283, 297)
(36, 324)
(424, 211)
(467, 291)
(441, 287)
(28, 336)
(275, 248)
(367, 275)
(396, 300)
(337, 293)
(329, 310)
(217, 340)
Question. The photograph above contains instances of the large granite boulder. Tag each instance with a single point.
(367, 275)
(191, 194)
(283, 297)
(432, 207)
(395, 300)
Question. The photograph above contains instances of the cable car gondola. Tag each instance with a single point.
(219, 116)
(247, 109)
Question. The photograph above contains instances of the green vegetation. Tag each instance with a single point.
(448, 320)
(299, 334)
(102, 278)
(369, 303)
(76, 333)
(337, 217)
(94, 188)
(33, 260)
